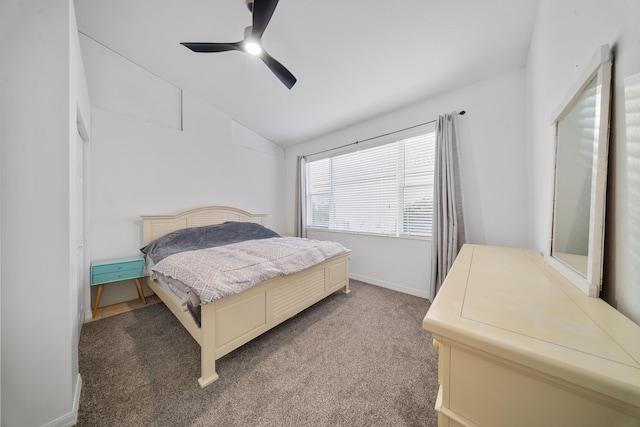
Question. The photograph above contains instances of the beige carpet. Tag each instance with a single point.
(361, 359)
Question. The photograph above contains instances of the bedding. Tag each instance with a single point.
(207, 236)
(216, 272)
(202, 264)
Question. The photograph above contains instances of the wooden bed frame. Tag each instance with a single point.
(232, 321)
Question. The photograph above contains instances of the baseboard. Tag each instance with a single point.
(388, 285)
(70, 419)
(76, 399)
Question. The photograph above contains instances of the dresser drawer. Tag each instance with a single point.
(106, 272)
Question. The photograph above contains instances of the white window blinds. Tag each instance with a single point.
(384, 189)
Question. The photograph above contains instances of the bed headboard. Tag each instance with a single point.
(154, 226)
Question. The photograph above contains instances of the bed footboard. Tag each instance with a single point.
(230, 322)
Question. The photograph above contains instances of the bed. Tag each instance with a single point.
(231, 321)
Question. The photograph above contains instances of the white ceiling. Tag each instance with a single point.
(353, 59)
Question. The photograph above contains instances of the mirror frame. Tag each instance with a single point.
(599, 68)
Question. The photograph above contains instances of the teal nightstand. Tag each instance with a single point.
(116, 270)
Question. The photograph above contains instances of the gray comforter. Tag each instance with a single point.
(217, 272)
(208, 236)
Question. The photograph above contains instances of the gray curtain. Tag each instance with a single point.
(301, 198)
(448, 233)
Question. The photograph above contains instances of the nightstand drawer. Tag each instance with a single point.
(105, 272)
(116, 276)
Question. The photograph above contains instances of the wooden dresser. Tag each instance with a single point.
(519, 345)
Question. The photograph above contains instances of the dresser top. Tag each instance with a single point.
(511, 303)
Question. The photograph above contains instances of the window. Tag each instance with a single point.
(384, 189)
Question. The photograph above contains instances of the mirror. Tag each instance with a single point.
(582, 139)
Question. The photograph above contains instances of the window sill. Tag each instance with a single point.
(388, 236)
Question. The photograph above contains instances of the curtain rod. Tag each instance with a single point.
(461, 113)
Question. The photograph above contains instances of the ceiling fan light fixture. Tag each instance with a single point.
(252, 47)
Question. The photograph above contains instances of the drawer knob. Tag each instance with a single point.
(436, 343)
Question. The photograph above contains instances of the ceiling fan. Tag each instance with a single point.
(262, 10)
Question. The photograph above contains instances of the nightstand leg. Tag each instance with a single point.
(140, 293)
(95, 307)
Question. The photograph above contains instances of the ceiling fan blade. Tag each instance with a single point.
(262, 13)
(279, 70)
(213, 47)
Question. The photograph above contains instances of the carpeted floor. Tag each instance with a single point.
(361, 359)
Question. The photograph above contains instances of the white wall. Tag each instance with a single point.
(565, 37)
(493, 158)
(38, 103)
(79, 129)
(142, 165)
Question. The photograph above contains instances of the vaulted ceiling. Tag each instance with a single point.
(354, 59)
